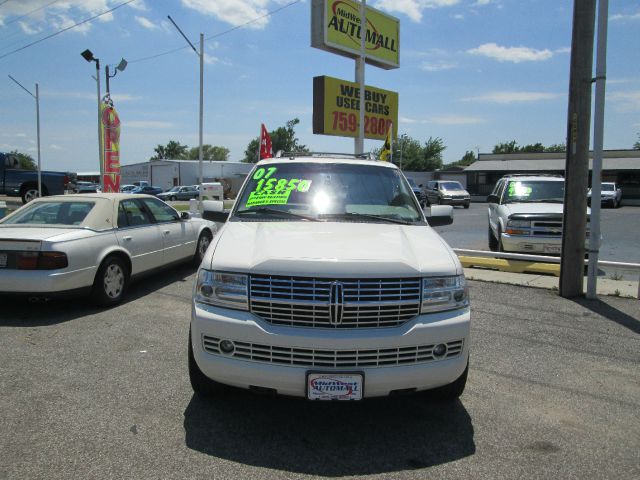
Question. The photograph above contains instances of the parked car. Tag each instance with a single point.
(179, 193)
(447, 192)
(327, 282)
(94, 243)
(525, 214)
(127, 188)
(17, 182)
(417, 190)
(610, 194)
(86, 187)
(147, 190)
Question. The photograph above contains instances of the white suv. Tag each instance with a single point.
(327, 282)
(525, 214)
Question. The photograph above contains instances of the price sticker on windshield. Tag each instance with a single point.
(271, 190)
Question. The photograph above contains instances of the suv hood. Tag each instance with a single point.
(331, 249)
(512, 208)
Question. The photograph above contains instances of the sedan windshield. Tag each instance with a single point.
(451, 186)
(337, 192)
(534, 191)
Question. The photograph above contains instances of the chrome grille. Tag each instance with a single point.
(547, 228)
(328, 303)
(311, 357)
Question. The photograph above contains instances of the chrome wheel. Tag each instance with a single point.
(30, 194)
(113, 281)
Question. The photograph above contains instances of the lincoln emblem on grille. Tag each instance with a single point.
(336, 303)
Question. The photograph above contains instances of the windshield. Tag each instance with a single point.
(327, 192)
(174, 189)
(412, 183)
(451, 186)
(51, 213)
(534, 191)
(607, 187)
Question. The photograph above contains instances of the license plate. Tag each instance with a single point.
(3, 260)
(334, 386)
(552, 248)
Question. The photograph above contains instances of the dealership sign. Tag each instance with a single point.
(336, 106)
(335, 27)
(110, 128)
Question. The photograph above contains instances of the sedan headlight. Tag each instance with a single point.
(222, 289)
(444, 293)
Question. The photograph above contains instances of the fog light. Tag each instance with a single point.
(458, 296)
(206, 290)
(227, 346)
(439, 350)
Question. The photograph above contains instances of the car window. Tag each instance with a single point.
(327, 191)
(131, 214)
(534, 191)
(52, 213)
(161, 211)
(451, 186)
(608, 187)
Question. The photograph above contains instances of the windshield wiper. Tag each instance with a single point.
(365, 216)
(269, 210)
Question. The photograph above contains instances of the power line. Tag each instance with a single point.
(5, 1)
(216, 35)
(30, 13)
(65, 29)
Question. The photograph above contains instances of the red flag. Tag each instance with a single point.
(266, 150)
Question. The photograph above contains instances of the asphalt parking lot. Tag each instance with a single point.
(553, 391)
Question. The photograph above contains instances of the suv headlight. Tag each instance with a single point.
(444, 293)
(222, 289)
(518, 227)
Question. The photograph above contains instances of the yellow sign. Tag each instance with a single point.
(335, 27)
(110, 130)
(336, 107)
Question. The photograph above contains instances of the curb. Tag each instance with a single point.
(514, 266)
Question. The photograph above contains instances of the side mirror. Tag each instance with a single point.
(185, 215)
(441, 215)
(493, 199)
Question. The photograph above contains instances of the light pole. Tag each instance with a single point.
(201, 55)
(37, 99)
(403, 137)
(88, 56)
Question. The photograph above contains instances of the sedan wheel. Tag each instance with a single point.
(172, 198)
(111, 282)
(203, 243)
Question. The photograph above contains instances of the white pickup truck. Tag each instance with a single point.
(327, 282)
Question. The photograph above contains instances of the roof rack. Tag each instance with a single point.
(361, 156)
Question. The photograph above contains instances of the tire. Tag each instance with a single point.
(466, 205)
(29, 192)
(111, 282)
(439, 201)
(204, 240)
(493, 242)
(202, 385)
(454, 390)
(500, 246)
(172, 199)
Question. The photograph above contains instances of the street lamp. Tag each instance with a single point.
(403, 137)
(88, 56)
(37, 98)
(120, 68)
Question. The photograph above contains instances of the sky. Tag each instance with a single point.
(473, 72)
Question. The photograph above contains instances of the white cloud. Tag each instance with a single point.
(512, 97)
(139, 5)
(623, 17)
(455, 120)
(53, 146)
(234, 12)
(511, 54)
(146, 23)
(458, 16)
(437, 66)
(626, 101)
(28, 29)
(412, 8)
(407, 120)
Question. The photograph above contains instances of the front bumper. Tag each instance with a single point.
(455, 201)
(290, 379)
(551, 245)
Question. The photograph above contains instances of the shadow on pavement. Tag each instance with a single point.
(18, 311)
(611, 313)
(329, 439)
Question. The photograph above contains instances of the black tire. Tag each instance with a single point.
(439, 201)
(172, 199)
(29, 192)
(202, 385)
(111, 282)
(204, 240)
(493, 242)
(454, 390)
(466, 205)
(500, 246)
(619, 203)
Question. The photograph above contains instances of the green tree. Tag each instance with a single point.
(432, 154)
(209, 152)
(467, 159)
(534, 148)
(25, 161)
(506, 147)
(556, 148)
(171, 151)
(282, 138)
(636, 145)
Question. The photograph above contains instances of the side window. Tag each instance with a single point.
(501, 190)
(161, 211)
(497, 188)
(131, 214)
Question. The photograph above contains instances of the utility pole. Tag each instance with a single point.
(577, 160)
(360, 64)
